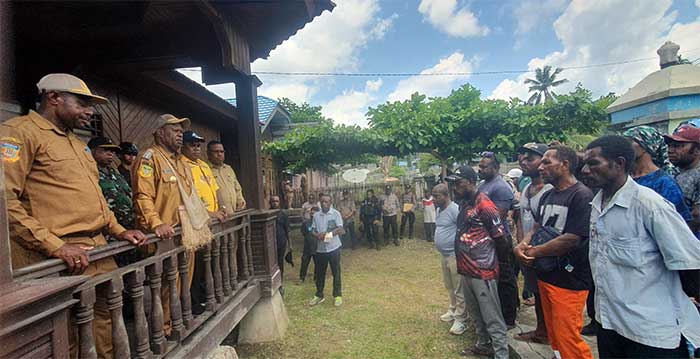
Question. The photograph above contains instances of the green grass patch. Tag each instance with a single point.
(392, 302)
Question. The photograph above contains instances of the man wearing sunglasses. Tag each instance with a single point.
(496, 188)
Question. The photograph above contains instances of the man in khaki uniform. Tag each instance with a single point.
(47, 167)
(230, 192)
(156, 193)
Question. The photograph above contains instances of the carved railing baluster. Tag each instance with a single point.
(216, 270)
(120, 340)
(208, 280)
(251, 270)
(134, 283)
(178, 330)
(84, 315)
(156, 318)
(186, 300)
(233, 262)
(243, 251)
(225, 271)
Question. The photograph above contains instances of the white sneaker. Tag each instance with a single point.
(458, 328)
(448, 317)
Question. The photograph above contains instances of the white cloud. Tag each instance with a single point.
(447, 17)
(331, 42)
(601, 31)
(350, 107)
(435, 85)
(529, 14)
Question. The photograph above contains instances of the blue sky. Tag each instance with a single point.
(374, 36)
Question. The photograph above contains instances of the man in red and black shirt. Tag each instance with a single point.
(478, 225)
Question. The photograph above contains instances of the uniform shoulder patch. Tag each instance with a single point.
(148, 154)
(10, 151)
(145, 170)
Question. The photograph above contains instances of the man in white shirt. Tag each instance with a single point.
(327, 227)
(638, 245)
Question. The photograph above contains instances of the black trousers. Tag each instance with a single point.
(389, 222)
(350, 234)
(305, 261)
(321, 265)
(281, 251)
(409, 217)
(590, 302)
(613, 345)
(371, 231)
(507, 283)
(429, 228)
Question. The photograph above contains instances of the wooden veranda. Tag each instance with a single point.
(130, 50)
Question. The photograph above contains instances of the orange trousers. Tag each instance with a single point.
(563, 313)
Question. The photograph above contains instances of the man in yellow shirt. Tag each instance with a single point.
(230, 192)
(204, 181)
(207, 189)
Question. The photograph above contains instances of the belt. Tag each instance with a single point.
(82, 234)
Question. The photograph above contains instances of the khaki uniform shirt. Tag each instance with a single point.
(390, 204)
(52, 188)
(229, 188)
(345, 207)
(156, 192)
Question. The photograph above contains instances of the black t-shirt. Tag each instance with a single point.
(569, 211)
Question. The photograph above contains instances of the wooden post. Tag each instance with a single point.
(178, 329)
(154, 272)
(120, 340)
(6, 262)
(186, 300)
(134, 282)
(249, 139)
(225, 272)
(216, 270)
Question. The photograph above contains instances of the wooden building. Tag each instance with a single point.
(128, 51)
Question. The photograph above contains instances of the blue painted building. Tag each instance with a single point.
(664, 98)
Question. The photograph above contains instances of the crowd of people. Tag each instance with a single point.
(48, 167)
(612, 231)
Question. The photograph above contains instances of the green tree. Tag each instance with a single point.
(301, 113)
(543, 83)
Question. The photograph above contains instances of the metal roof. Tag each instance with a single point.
(266, 107)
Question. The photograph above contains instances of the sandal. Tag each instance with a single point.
(531, 337)
(477, 351)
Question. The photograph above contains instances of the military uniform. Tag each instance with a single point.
(229, 188)
(46, 169)
(117, 193)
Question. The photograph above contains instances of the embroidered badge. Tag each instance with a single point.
(11, 139)
(10, 152)
(146, 171)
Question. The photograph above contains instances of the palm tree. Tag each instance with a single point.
(544, 81)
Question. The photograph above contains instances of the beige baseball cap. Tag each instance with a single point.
(67, 83)
(168, 119)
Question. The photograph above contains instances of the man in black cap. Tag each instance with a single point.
(479, 227)
(408, 205)
(390, 209)
(115, 188)
(127, 156)
(530, 161)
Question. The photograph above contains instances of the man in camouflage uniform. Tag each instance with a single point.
(116, 191)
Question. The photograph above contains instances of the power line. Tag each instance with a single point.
(474, 73)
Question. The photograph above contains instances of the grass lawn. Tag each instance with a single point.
(392, 301)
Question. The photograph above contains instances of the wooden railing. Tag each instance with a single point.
(230, 274)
